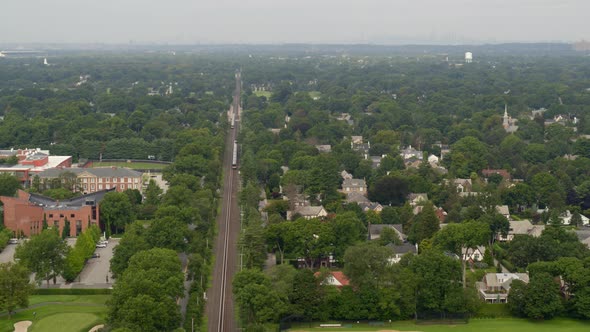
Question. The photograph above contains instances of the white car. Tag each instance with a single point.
(101, 245)
(13, 241)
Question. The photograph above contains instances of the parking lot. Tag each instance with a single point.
(96, 272)
(7, 255)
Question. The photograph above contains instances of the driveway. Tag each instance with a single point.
(96, 270)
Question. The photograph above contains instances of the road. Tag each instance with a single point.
(220, 305)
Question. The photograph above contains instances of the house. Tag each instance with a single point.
(411, 153)
(334, 278)
(376, 161)
(308, 212)
(489, 172)
(463, 185)
(325, 148)
(503, 210)
(376, 229)
(91, 180)
(537, 113)
(494, 287)
(473, 254)
(357, 144)
(345, 175)
(371, 206)
(433, 160)
(417, 198)
(354, 186)
(24, 214)
(521, 227)
(441, 214)
(401, 250)
(566, 218)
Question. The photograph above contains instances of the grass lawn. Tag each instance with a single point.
(68, 322)
(267, 94)
(501, 324)
(132, 165)
(74, 313)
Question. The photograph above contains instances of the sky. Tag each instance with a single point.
(293, 21)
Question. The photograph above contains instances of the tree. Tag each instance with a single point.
(152, 193)
(389, 235)
(367, 265)
(168, 233)
(542, 299)
(389, 190)
(424, 225)
(116, 211)
(15, 287)
(257, 300)
(65, 232)
(44, 254)
(134, 241)
(9, 184)
(459, 237)
(306, 295)
(144, 297)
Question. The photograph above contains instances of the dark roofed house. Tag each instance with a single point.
(401, 250)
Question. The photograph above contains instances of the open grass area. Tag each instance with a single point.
(72, 313)
(266, 94)
(68, 322)
(132, 165)
(502, 324)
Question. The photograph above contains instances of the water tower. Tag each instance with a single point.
(468, 57)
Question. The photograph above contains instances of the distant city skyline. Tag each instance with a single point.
(303, 21)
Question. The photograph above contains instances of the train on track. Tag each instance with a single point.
(234, 161)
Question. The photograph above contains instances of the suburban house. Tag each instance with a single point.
(473, 255)
(566, 218)
(494, 287)
(401, 250)
(334, 278)
(308, 212)
(96, 179)
(345, 175)
(376, 229)
(357, 144)
(503, 210)
(324, 148)
(521, 227)
(354, 186)
(416, 199)
(410, 153)
(25, 213)
(463, 185)
(31, 162)
(363, 202)
(489, 172)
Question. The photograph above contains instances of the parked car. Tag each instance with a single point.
(13, 241)
(101, 245)
(96, 255)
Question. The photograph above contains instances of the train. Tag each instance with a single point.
(233, 121)
(234, 161)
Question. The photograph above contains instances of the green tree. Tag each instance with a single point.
(542, 300)
(424, 225)
(44, 254)
(257, 300)
(9, 184)
(116, 211)
(367, 265)
(389, 190)
(15, 287)
(463, 236)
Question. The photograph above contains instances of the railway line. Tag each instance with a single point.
(220, 305)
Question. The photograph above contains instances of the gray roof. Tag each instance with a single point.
(307, 211)
(403, 248)
(101, 172)
(354, 183)
(49, 203)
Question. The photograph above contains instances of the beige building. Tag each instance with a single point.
(90, 180)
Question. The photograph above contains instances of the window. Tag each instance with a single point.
(61, 215)
(85, 180)
(100, 186)
(99, 180)
(55, 223)
(51, 215)
(92, 180)
(92, 186)
(122, 186)
(72, 215)
(134, 186)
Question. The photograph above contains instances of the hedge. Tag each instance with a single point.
(72, 291)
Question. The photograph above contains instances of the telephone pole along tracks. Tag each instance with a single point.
(220, 305)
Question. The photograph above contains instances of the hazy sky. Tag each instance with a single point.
(298, 21)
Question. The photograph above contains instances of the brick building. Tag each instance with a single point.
(95, 179)
(31, 162)
(24, 214)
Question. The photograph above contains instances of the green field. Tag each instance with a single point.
(267, 94)
(502, 324)
(70, 313)
(132, 165)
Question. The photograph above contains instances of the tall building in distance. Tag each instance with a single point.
(468, 57)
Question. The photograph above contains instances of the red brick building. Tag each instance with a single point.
(24, 214)
(91, 180)
(30, 163)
